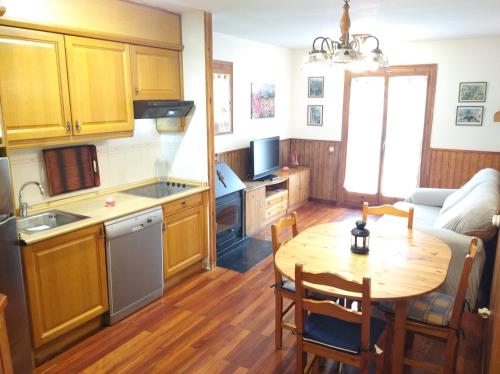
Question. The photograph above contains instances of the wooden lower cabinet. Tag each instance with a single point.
(267, 201)
(66, 282)
(298, 188)
(184, 241)
(255, 209)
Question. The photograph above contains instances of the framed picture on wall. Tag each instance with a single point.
(262, 100)
(469, 115)
(472, 92)
(315, 86)
(315, 115)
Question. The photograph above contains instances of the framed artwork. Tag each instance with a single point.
(262, 100)
(316, 86)
(223, 97)
(472, 92)
(469, 115)
(315, 115)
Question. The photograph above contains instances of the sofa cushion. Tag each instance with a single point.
(424, 215)
(472, 213)
(483, 175)
(434, 308)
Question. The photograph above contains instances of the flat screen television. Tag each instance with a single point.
(264, 157)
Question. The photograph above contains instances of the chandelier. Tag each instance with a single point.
(348, 49)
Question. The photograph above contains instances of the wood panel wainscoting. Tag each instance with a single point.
(451, 168)
(323, 163)
(447, 168)
(239, 159)
(314, 154)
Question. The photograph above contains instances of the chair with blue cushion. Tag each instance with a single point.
(438, 315)
(327, 329)
(284, 288)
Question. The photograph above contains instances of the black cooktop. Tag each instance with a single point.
(159, 189)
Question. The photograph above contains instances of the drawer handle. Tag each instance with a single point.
(183, 203)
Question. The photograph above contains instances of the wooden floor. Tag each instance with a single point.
(220, 322)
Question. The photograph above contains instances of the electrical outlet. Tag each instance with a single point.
(331, 149)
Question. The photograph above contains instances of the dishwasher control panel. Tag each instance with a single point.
(133, 222)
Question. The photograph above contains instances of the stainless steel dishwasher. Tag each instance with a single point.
(134, 256)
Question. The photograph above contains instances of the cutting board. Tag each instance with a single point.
(71, 168)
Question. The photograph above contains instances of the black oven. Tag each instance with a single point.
(229, 218)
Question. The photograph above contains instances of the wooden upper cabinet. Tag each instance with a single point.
(100, 86)
(33, 85)
(66, 282)
(155, 73)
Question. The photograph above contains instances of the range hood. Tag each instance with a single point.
(162, 108)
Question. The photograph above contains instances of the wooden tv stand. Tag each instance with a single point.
(266, 201)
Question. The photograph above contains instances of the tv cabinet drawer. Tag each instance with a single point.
(276, 209)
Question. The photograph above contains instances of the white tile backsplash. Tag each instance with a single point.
(147, 154)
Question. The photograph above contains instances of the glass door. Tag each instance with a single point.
(386, 132)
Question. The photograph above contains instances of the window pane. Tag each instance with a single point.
(405, 126)
(364, 138)
(222, 103)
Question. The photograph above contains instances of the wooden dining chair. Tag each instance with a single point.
(283, 287)
(389, 210)
(438, 316)
(327, 329)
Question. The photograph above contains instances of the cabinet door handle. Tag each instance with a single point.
(136, 91)
(68, 126)
(77, 126)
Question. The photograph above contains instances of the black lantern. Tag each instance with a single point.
(360, 238)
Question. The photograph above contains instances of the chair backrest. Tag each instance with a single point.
(282, 224)
(390, 210)
(329, 308)
(458, 306)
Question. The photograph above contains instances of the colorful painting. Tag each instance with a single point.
(315, 87)
(472, 92)
(263, 96)
(470, 115)
(315, 115)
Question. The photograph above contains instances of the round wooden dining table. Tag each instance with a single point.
(402, 263)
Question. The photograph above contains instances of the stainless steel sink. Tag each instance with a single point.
(45, 221)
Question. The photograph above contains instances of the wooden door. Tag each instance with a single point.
(304, 185)
(184, 243)
(255, 210)
(33, 85)
(100, 86)
(294, 189)
(66, 282)
(386, 129)
(155, 73)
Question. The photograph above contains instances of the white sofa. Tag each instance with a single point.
(454, 216)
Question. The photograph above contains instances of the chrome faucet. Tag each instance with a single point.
(23, 206)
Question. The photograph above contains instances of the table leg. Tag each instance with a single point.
(398, 342)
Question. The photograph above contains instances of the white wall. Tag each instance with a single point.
(128, 160)
(254, 62)
(461, 60)
(191, 160)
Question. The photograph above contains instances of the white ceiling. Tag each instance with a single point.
(295, 23)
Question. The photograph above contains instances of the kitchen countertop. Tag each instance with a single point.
(94, 208)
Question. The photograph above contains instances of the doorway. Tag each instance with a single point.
(386, 129)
